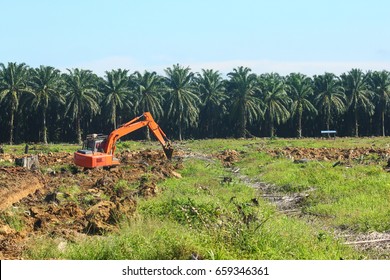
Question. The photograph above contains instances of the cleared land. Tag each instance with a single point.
(217, 199)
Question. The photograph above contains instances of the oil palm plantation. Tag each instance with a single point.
(329, 98)
(116, 90)
(211, 89)
(82, 96)
(358, 94)
(300, 90)
(148, 91)
(245, 106)
(13, 84)
(182, 101)
(45, 82)
(276, 100)
(380, 85)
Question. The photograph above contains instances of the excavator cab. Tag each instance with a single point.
(93, 143)
(92, 153)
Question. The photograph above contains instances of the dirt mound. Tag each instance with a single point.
(55, 158)
(147, 189)
(228, 157)
(101, 217)
(11, 245)
(49, 217)
(17, 183)
(334, 154)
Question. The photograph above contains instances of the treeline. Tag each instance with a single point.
(44, 105)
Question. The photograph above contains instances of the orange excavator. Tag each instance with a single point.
(98, 150)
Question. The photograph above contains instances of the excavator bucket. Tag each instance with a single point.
(168, 150)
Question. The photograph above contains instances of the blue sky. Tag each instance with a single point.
(268, 36)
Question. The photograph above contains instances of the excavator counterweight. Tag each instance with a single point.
(98, 149)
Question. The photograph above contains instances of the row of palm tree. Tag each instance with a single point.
(42, 104)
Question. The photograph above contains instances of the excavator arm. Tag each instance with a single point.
(145, 119)
(98, 150)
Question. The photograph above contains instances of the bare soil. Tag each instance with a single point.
(67, 201)
(331, 154)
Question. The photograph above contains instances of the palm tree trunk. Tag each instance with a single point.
(243, 126)
(242, 123)
(383, 123)
(78, 130)
(328, 120)
(300, 124)
(11, 129)
(44, 126)
(356, 124)
(147, 132)
(328, 123)
(211, 128)
(180, 127)
(114, 117)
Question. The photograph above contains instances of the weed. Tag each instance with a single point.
(13, 218)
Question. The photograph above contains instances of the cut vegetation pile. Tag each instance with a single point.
(330, 154)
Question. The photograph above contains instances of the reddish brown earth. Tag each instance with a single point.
(61, 199)
(333, 154)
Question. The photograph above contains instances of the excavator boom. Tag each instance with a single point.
(99, 150)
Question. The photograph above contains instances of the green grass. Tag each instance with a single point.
(346, 197)
(203, 215)
(200, 215)
(40, 148)
(136, 145)
(217, 145)
(13, 218)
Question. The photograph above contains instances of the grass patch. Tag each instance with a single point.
(230, 225)
(346, 197)
(40, 148)
(13, 218)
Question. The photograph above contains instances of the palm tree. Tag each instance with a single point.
(182, 101)
(81, 95)
(299, 89)
(148, 88)
(212, 94)
(380, 85)
(329, 96)
(245, 105)
(13, 83)
(358, 93)
(45, 82)
(116, 91)
(276, 100)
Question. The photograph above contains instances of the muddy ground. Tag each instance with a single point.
(61, 199)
